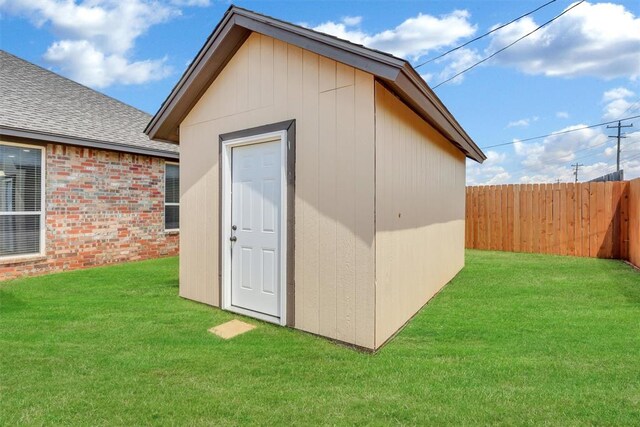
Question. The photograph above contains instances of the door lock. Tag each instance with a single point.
(233, 238)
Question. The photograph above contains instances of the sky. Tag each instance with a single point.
(580, 70)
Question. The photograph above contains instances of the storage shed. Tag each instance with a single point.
(322, 184)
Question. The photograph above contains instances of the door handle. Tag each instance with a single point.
(233, 238)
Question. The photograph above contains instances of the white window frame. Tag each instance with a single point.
(164, 213)
(225, 234)
(43, 207)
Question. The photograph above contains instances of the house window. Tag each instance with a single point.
(172, 197)
(21, 200)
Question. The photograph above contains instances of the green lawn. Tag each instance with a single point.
(514, 339)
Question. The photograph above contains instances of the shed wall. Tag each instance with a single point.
(269, 81)
(420, 196)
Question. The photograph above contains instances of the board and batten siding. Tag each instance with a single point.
(420, 212)
(269, 81)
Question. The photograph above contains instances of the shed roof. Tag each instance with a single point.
(237, 24)
(38, 104)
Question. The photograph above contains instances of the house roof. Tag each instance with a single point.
(38, 104)
(237, 24)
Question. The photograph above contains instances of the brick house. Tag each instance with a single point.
(81, 185)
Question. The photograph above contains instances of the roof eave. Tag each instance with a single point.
(415, 92)
(83, 142)
(236, 26)
(226, 39)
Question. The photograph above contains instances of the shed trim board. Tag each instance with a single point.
(284, 132)
(236, 26)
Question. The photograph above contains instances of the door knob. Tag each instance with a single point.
(233, 238)
(234, 227)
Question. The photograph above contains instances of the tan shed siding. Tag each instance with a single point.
(269, 81)
(420, 193)
(198, 219)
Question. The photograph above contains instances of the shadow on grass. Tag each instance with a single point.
(170, 283)
(631, 289)
(9, 303)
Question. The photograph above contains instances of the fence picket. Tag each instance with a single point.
(571, 220)
(584, 213)
(593, 223)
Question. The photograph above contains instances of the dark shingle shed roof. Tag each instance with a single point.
(38, 104)
(238, 23)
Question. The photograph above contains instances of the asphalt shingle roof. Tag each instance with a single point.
(37, 100)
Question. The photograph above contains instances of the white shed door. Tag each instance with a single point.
(255, 218)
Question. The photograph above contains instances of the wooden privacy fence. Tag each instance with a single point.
(596, 219)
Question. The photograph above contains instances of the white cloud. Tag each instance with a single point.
(200, 3)
(551, 159)
(617, 93)
(518, 123)
(617, 103)
(457, 61)
(96, 37)
(411, 39)
(343, 31)
(630, 155)
(491, 172)
(562, 115)
(600, 39)
(352, 21)
(522, 122)
(86, 64)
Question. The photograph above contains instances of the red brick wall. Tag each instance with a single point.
(102, 207)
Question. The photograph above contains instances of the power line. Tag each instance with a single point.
(606, 168)
(575, 173)
(595, 154)
(637, 156)
(619, 136)
(483, 35)
(581, 158)
(558, 133)
(610, 169)
(631, 107)
(509, 45)
(555, 162)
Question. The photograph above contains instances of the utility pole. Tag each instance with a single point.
(575, 173)
(619, 136)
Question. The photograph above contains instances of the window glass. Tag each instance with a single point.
(20, 179)
(20, 200)
(172, 184)
(172, 197)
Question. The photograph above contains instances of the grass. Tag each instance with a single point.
(514, 339)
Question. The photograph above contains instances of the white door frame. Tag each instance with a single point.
(225, 233)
